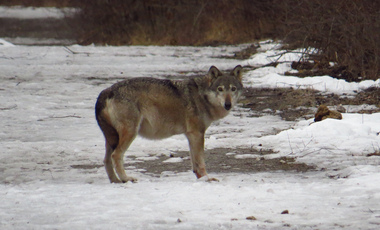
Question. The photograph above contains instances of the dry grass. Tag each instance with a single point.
(171, 22)
(344, 32)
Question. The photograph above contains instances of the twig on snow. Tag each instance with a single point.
(67, 49)
(52, 117)
(9, 108)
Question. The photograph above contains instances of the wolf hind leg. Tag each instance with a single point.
(112, 139)
(109, 165)
(125, 139)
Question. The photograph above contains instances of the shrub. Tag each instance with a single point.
(345, 32)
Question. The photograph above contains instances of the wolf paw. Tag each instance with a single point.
(115, 181)
(200, 173)
(212, 179)
(131, 179)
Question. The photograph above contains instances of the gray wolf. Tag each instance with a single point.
(157, 109)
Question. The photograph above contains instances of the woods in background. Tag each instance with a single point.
(343, 32)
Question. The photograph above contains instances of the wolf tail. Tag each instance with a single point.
(110, 133)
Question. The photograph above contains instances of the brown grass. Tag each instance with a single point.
(171, 22)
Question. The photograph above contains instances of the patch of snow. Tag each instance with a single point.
(21, 12)
(321, 83)
(357, 108)
(330, 143)
(173, 160)
(4, 43)
(39, 41)
(152, 158)
(245, 156)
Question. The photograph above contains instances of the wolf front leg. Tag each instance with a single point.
(196, 144)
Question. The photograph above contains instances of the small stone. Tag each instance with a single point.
(340, 109)
(285, 212)
(251, 218)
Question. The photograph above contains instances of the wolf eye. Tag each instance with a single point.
(220, 88)
(233, 88)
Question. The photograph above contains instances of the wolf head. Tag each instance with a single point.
(224, 89)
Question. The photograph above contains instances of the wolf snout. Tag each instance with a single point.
(227, 105)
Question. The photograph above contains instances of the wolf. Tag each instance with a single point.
(157, 108)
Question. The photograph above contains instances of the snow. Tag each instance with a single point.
(39, 41)
(320, 83)
(47, 97)
(21, 12)
(4, 43)
(173, 160)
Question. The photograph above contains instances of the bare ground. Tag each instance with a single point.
(221, 162)
(218, 162)
(292, 104)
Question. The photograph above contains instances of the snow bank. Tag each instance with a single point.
(4, 43)
(35, 13)
(330, 143)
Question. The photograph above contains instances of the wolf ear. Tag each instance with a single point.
(237, 72)
(213, 72)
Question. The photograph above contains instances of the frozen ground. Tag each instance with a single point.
(33, 12)
(47, 97)
(37, 25)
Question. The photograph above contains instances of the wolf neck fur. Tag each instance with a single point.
(197, 84)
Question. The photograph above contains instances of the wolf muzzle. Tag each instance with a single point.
(227, 103)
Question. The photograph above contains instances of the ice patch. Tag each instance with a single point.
(152, 158)
(245, 156)
(173, 160)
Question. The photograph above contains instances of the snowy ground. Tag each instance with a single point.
(37, 25)
(33, 12)
(47, 97)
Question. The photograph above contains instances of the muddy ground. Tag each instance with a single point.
(222, 160)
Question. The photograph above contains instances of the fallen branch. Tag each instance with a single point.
(53, 117)
(9, 108)
(67, 49)
(273, 64)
